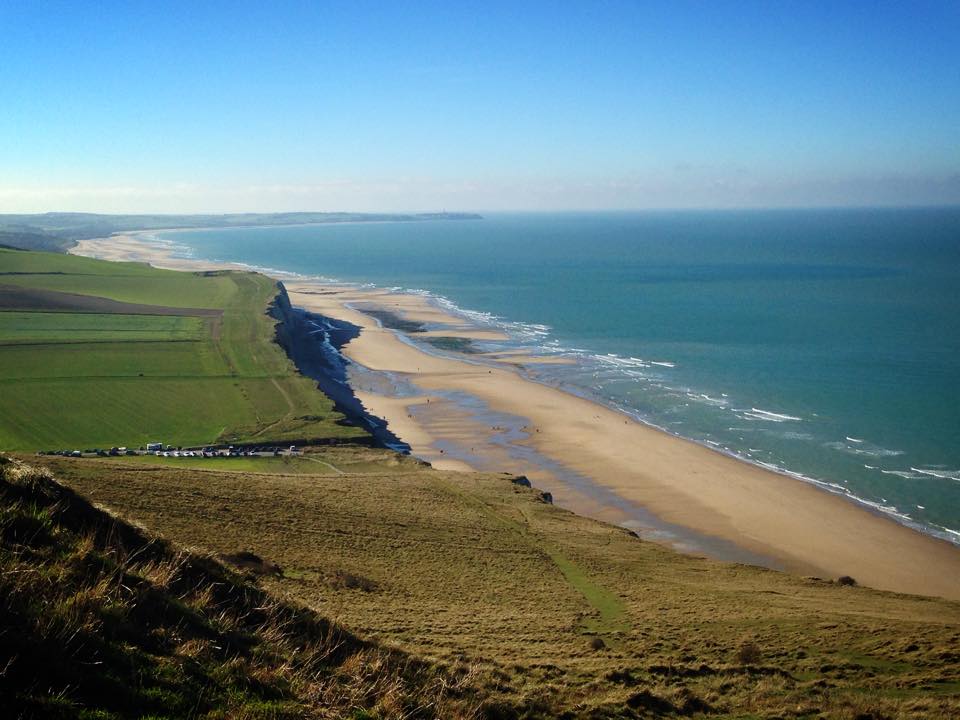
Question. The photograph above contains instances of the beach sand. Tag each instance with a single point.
(598, 462)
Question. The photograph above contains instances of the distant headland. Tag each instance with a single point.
(59, 231)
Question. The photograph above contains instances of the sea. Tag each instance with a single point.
(820, 343)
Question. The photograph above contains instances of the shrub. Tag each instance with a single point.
(748, 653)
(345, 580)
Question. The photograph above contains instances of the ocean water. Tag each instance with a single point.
(825, 343)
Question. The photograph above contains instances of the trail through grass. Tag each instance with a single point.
(611, 617)
(607, 614)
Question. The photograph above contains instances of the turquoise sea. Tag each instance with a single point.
(825, 343)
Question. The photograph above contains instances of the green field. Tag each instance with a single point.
(56, 327)
(126, 282)
(190, 360)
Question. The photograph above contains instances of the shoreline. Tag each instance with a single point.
(595, 460)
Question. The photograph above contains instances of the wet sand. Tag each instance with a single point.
(596, 461)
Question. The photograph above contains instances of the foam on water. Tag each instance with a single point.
(862, 447)
(939, 473)
(767, 415)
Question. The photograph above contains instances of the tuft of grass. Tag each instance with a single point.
(749, 653)
(341, 579)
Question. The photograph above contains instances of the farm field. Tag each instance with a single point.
(97, 354)
(559, 610)
(40, 328)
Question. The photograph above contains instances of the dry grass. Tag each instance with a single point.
(101, 620)
(473, 570)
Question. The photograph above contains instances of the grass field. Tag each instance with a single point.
(125, 282)
(558, 611)
(191, 359)
(44, 328)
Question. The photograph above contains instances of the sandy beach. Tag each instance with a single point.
(483, 413)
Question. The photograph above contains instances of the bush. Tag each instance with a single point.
(345, 580)
(748, 653)
(846, 580)
(246, 560)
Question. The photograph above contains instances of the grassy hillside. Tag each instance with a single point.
(99, 354)
(561, 613)
(100, 620)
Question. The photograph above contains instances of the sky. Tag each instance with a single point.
(394, 106)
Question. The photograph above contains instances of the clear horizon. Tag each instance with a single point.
(497, 211)
(359, 108)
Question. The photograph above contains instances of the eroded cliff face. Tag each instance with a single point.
(288, 320)
(313, 343)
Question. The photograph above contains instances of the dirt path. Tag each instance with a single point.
(337, 470)
(608, 617)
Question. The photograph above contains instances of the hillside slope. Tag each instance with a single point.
(565, 614)
(99, 619)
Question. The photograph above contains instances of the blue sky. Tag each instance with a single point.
(455, 105)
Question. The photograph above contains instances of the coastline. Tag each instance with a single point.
(460, 413)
